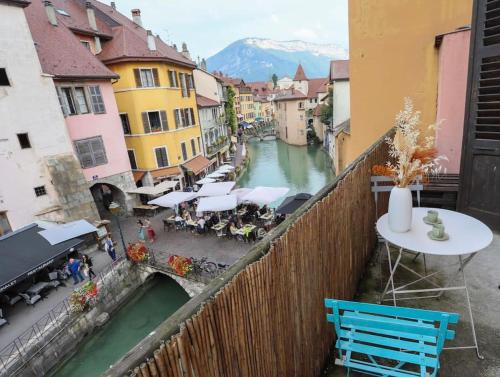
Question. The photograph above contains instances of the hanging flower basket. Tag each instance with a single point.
(84, 297)
(181, 265)
(137, 252)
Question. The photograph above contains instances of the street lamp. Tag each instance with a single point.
(116, 211)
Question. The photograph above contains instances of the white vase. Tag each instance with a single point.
(400, 209)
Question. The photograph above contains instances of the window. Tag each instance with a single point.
(125, 123)
(172, 78)
(91, 152)
(193, 147)
(301, 105)
(131, 157)
(81, 100)
(24, 141)
(85, 44)
(161, 157)
(146, 77)
(190, 82)
(4, 79)
(96, 99)
(67, 102)
(154, 121)
(4, 224)
(199, 143)
(184, 117)
(184, 151)
(40, 191)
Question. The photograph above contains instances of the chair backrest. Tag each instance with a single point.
(53, 275)
(418, 330)
(24, 296)
(380, 183)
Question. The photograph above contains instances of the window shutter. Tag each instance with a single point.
(145, 122)
(183, 117)
(64, 105)
(84, 153)
(170, 78)
(176, 79)
(192, 116)
(98, 151)
(156, 77)
(96, 99)
(177, 118)
(164, 123)
(137, 75)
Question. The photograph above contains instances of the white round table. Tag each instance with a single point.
(467, 235)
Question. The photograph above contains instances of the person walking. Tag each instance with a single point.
(110, 248)
(240, 135)
(150, 231)
(87, 261)
(74, 268)
(140, 232)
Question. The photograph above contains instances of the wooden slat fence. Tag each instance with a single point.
(268, 318)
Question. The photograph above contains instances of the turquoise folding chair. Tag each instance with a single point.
(383, 340)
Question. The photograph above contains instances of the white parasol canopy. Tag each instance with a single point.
(217, 203)
(205, 180)
(173, 199)
(225, 168)
(215, 175)
(240, 193)
(154, 190)
(64, 232)
(262, 195)
(216, 189)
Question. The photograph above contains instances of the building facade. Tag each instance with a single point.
(86, 97)
(45, 180)
(397, 61)
(156, 100)
(291, 117)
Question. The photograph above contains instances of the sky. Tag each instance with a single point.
(207, 26)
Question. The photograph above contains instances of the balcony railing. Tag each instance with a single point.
(214, 148)
(266, 313)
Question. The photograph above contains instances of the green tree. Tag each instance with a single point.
(327, 107)
(230, 111)
(275, 80)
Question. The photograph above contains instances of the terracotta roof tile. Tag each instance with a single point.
(197, 164)
(300, 74)
(17, 3)
(290, 95)
(317, 86)
(203, 101)
(60, 52)
(339, 70)
(138, 175)
(317, 111)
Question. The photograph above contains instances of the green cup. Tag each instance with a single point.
(432, 216)
(438, 231)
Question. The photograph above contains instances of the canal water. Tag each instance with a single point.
(277, 164)
(154, 302)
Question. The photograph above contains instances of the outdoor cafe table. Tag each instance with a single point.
(219, 227)
(37, 288)
(246, 229)
(266, 216)
(467, 236)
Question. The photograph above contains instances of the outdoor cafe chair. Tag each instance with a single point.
(30, 300)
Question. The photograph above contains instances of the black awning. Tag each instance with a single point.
(25, 252)
(292, 203)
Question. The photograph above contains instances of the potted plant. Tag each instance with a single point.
(137, 252)
(84, 297)
(412, 156)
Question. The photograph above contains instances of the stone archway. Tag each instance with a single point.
(104, 194)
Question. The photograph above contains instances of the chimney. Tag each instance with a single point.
(51, 12)
(113, 5)
(185, 51)
(97, 45)
(151, 41)
(91, 15)
(136, 16)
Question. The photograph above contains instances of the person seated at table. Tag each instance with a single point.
(200, 225)
(279, 219)
(214, 219)
(233, 230)
(263, 210)
(179, 222)
(186, 216)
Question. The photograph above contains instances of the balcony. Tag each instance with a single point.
(266, 312)
(215, 147)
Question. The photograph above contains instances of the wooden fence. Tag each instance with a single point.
(265, 316)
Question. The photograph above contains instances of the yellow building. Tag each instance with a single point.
(392, 56)
(156, 100)
(247, 106)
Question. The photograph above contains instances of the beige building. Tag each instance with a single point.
(290, 117)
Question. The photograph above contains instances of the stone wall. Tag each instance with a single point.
(123, 182)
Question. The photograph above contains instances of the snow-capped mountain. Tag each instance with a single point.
(255, 59)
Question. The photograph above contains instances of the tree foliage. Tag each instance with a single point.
(230, 110)
(275, 80)
(327, 107)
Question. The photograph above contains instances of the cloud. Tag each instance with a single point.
(275, 19)
(305, 33)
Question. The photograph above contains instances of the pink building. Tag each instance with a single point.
(67, 41)
(452, 85)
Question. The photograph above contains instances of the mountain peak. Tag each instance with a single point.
(256, 59)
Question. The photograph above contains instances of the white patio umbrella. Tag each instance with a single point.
(173, 199)
(217, 203)
(215, 175)
(262, 195)
(240, 193)
(216, 189)
(225, 168)
(205, 180)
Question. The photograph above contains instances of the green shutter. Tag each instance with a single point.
(156, 77)
(177, 118)
(145, 122)
(164, 123)
(137, 75)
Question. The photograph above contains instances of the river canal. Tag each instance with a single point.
(152, 303)
(277, 164)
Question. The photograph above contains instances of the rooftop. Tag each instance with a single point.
(339, 70)
(316, 86)
(300, 74)
(290, 95)
(203, 101)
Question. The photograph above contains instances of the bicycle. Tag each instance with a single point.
(201, 265)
